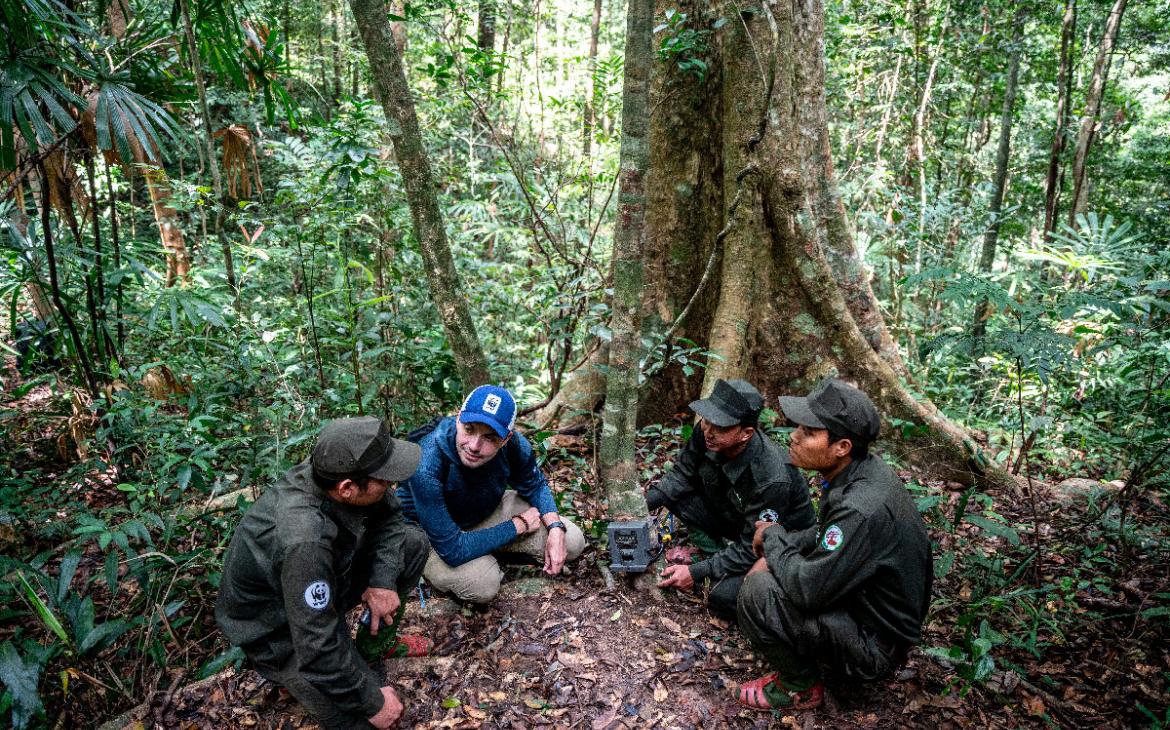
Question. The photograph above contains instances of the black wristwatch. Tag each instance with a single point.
(558, 525)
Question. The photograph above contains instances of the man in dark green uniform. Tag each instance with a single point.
(727, 477)
(329, 534)
(849, 594)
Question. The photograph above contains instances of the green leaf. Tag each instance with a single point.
(231, 656)
(103, 635)
(451, 702)
(20, 679)
(992, 527)
(48, 618)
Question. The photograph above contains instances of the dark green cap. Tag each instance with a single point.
(732, 402)
(837, 406)
(352, 448)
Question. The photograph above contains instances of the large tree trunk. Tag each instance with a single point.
(1054, 177)
(805, 307)
(402, 125)
(1002, 157)
(619, 472)
(1088, 130)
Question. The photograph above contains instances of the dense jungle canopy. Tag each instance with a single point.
(223, 224)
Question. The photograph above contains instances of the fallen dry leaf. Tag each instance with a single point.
(670, 625)
(575, 660)
(1035, 706)
(660, 692)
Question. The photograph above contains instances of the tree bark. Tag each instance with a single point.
(589, 118)
(174, 244)
(1002, 157)
(619, 472)
(1088, 130)
(209, 145)
(391, 88)
(811, 311)
(684, 190)
(1054, 178)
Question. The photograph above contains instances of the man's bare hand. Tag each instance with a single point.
(554, 552)
(758, 538)
(390, 712)
(677, 576)
(531, 519)
(761, 566)
(383, 604)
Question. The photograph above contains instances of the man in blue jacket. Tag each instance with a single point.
(461, 498)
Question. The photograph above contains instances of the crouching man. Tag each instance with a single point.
(848, 595)
(329, 534)
(460, 496)
(725, 479)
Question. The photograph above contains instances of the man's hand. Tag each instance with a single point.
(531, 519)
(677, 576)
(383, 604)
(390, 712)
(554, 552)
(761, 566)
(758, 538)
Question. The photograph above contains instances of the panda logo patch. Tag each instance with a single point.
(833, 538)
(492, 403)
(317, 595)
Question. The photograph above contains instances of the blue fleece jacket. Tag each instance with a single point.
(446, 498)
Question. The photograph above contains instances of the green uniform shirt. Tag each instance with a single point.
(287, 569)
(869, 554)
(760, 482)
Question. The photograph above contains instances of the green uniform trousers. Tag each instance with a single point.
(796, 643)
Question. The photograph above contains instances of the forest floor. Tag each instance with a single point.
(578, 653)
(1089, 647)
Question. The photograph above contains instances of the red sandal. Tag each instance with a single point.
(411, 646)
(753, 694)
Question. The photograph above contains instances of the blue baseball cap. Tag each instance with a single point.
(492, 405)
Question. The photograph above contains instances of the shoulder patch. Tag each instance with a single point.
(833, 538)
(317, 595)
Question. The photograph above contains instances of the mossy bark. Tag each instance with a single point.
(392, 91)
(795, 302)
(619, 472)
(683, 185)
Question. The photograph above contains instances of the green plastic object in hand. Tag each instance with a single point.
(375, 647)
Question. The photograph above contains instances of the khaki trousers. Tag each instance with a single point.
(478, 580)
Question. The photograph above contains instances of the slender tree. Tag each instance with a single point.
(1002, 158)
(619, 471)
(209, 148)
(1088, 130)
(391, 89)
(1054, 178)
(589, 118)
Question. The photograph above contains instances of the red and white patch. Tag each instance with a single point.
(833, 538)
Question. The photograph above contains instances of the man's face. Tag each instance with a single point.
(725, 440)
(477, 443)
(373, 493)
(809, 448)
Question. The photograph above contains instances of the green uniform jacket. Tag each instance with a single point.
(743, 490)
(870, 554)
(287, 569)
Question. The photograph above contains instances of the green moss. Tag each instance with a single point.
(805, 324)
